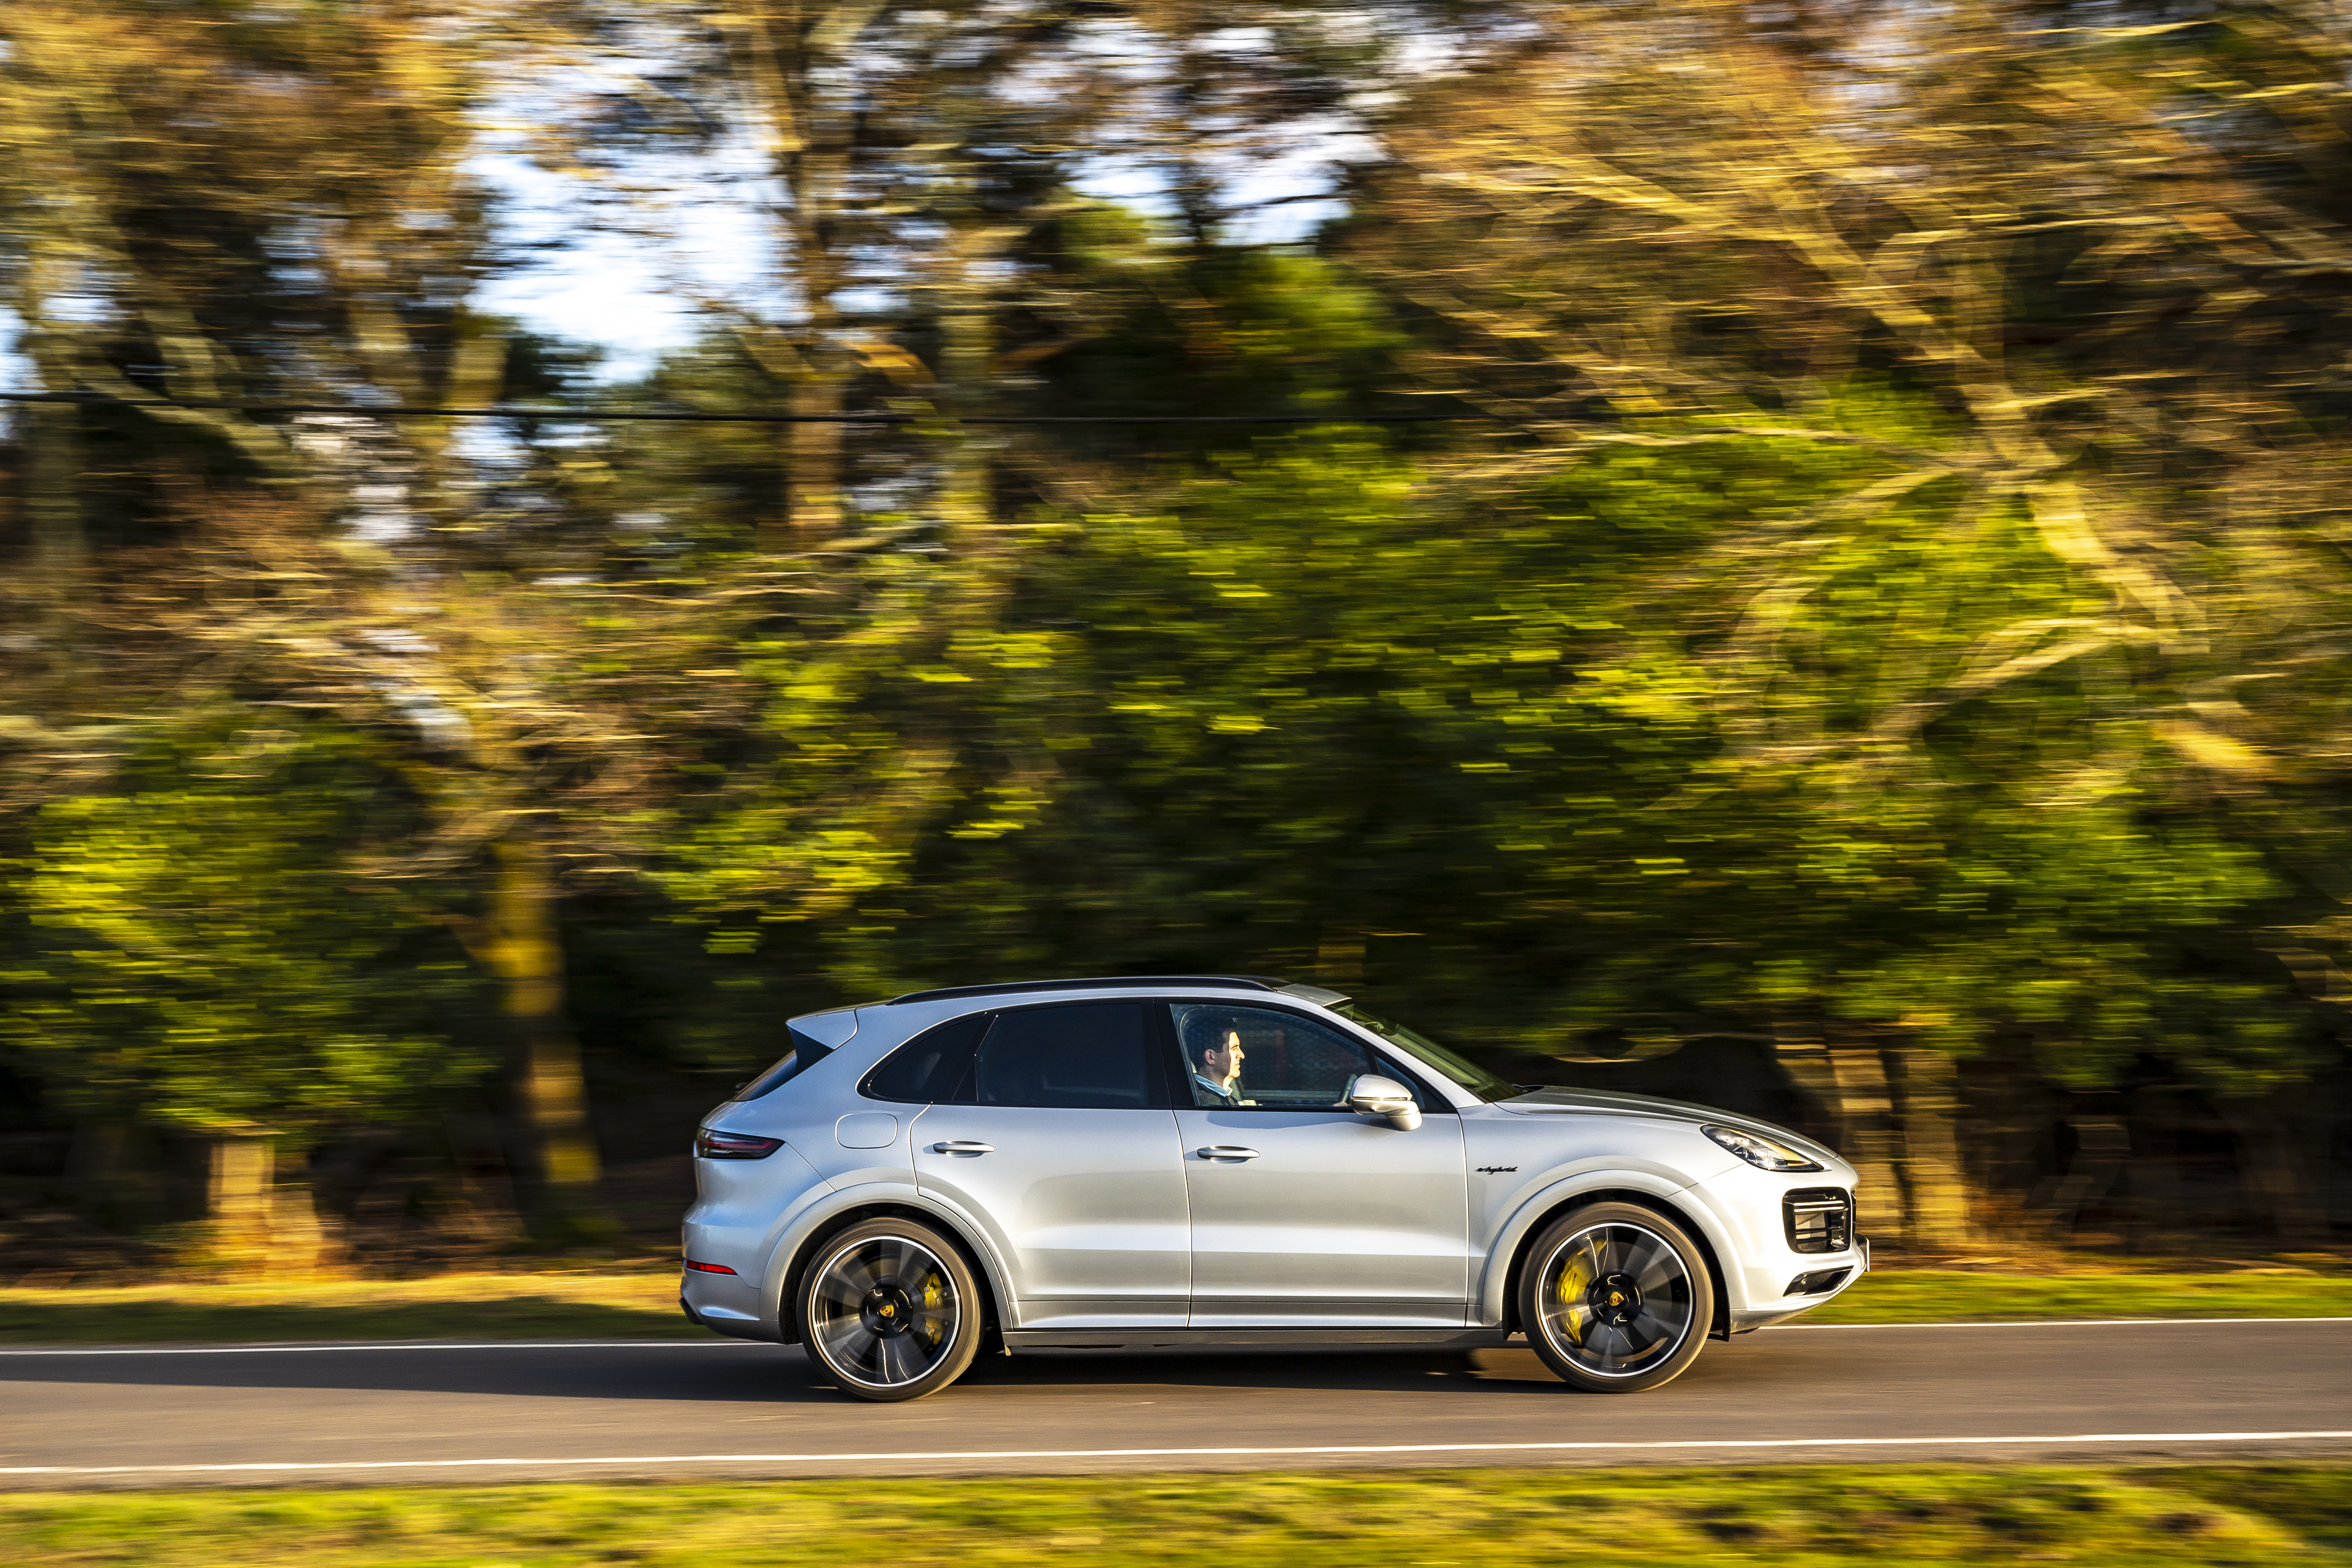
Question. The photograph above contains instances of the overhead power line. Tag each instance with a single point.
(681, 417)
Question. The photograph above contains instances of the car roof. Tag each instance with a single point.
(1122, 983)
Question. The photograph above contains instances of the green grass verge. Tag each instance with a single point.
(1814, 1515)
(644, 1304)
(1946, 1296)
(449, 1306)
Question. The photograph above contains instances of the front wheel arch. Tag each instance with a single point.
(1622, 1267)
(1719, 1327)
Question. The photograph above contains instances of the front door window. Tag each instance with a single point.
(1258, 1058)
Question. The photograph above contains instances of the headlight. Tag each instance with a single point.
(1765, 1154)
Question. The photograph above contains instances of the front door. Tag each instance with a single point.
(1304, 1213)
(1060, 1142)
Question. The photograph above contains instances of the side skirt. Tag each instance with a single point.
(1296, 1339)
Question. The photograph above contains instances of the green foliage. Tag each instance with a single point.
(1896, 609)
(204, 953)
(1534, 749)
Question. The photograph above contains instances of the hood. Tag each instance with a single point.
(1612, 1102)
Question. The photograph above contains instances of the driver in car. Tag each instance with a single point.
(1212, 1044)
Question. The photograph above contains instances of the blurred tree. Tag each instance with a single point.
(1892, 615)
(216, 202)
(2082, 559)
(205, 958)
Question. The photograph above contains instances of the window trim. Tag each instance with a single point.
(1435, 1100)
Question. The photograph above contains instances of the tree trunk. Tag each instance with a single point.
(967, 331)
(2102, 1145)
(2271, 1170)
(1798, 1048)
(94, 1163)
(527, 958)
(790, 50)
(53, 498)
(1935, 1185)
(1850, 1107)
(299, 1244)
(237, 1203)
(491, 1215)
(813, 513)
(1866, 1106)
(58, 547)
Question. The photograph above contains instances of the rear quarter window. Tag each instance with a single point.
(805, 1054)
(926, 1068)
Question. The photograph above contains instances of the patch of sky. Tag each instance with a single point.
(644, 255)
(15, 367)
(635, 258)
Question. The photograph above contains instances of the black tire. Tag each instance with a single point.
(1616, 1299)
(890, 1309)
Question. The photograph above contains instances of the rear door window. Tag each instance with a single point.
(1091, 1056)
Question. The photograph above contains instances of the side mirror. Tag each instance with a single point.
(1370, 1094)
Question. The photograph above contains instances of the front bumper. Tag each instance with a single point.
(1765, 1216)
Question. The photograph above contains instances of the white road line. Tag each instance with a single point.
(2055, 1323)
(717, 1344)
(958, 1454)
(713, 1343)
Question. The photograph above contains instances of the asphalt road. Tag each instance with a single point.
(507, 1412)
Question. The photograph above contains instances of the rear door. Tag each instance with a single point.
(1059, 1140)
(1304, 1213)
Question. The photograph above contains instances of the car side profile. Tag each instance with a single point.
(1229, 1160)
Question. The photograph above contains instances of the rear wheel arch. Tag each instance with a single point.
(1680, 1214)
(805, 1256)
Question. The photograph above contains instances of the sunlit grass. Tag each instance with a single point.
(644, 1304)
(584, 1305)
(1815, 1515)
(1937, 1295)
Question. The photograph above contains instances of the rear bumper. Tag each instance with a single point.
(719, 1317)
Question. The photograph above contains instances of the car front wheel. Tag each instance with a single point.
(1615, 1297)
(891, 1309)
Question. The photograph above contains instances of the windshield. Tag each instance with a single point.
(1468, 1074)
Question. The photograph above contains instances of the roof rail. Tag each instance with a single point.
(1229, 982)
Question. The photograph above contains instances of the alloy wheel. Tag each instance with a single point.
(1616, 1299)
(884, 1311)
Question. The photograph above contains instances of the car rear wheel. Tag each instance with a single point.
(891, 1309)
(1615, 1297)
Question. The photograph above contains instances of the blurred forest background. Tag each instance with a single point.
(1869, 646)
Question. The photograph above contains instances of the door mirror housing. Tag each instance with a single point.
(1370, 1094)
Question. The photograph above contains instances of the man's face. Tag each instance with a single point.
(1222, 1061)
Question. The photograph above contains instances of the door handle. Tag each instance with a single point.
(1226, 1152)
(963, 1146)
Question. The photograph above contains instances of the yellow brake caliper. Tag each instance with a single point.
(1573, 1280)
(933, 1298)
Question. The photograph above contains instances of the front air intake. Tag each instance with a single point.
(1820, 1281)
(1817, 1220)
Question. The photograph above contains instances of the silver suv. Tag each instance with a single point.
(1230, 1161)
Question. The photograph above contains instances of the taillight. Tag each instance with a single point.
(712, 1145)
(722, 1269)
